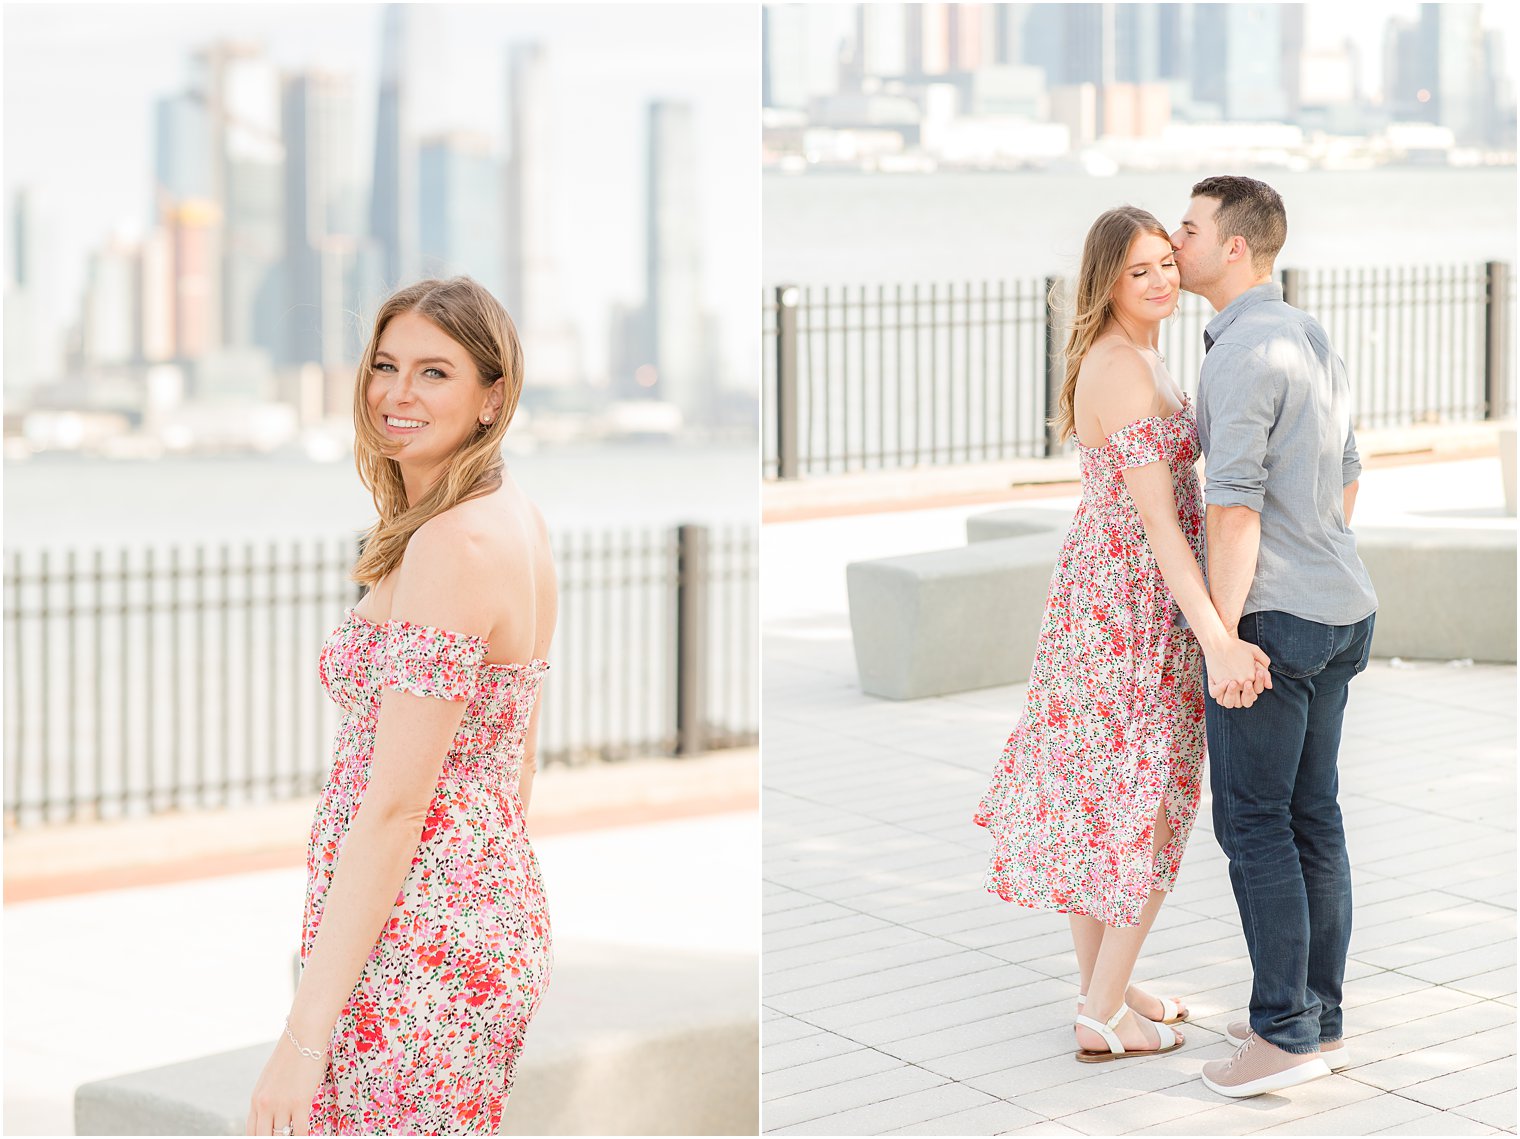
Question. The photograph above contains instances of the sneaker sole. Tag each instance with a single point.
(1336, 1058)
(1276, 1082)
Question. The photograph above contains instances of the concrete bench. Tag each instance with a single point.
(953, 620)
(628, 1042)
(950, 620)
(1443, 594)
(1507, 468)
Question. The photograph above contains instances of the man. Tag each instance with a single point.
(1281, 467)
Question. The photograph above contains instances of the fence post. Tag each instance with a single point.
(1292, 286)
(1054, 374)
(787, 297)
(691, 639)
(1496, 317)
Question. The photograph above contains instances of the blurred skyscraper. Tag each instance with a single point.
(393, 187)
(1237, 54)
(525, 244)
(1455, 39)
(459, 191)
(242, 92)
(320, 217)
(784, 49)
(27, 361)
(673, 298)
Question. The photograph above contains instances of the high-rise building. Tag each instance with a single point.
(459, 192)
(242, 93)
(1137, 42)
(523, 246)
(393, 189)
(1238, 60)
(182, 150)
(881, 39)
(1455, 38)
(1409, 78)
(673, 296)
(929, 46)
(111, 322)
(784, 50)
(27, 361)
(528, 235)
(972, 36)
(317, 118)
(195, 229)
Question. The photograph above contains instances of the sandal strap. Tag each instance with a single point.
(1106, 1029)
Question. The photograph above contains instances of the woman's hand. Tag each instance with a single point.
(284, 1092)
(1238, 672)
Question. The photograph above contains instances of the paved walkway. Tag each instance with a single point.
(900, 998)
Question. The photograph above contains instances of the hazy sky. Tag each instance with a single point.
(80, 81)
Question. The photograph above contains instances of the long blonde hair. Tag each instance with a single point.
(468, 314)
(1104, 254)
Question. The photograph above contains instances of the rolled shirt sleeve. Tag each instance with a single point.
(1239, 402)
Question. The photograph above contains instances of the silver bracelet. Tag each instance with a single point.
(309, 1053)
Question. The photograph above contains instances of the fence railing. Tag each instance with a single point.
(890, 376)
(170, 678)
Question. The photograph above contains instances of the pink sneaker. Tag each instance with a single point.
(1259, 1067)
(1334, 1051)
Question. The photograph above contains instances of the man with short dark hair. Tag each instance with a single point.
(1281, 467)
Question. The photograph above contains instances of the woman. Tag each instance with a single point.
(1091, 805)
(426, 937)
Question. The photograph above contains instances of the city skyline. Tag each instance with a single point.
(911, 88)
(598, 221)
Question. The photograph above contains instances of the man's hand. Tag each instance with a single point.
(1238, 673)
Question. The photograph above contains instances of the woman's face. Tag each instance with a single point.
(425, 391)
(1146, 291)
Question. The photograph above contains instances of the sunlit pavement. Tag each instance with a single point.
(104, 983)
(899, 997)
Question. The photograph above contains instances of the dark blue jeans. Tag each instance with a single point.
(1273, 774)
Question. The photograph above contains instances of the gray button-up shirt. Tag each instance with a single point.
(1274, 419)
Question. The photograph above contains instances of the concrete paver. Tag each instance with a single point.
(867, 825)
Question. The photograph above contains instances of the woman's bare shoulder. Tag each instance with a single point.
(1117, 384)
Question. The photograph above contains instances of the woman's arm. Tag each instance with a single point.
(1126, 393)
(437, 585)
(546, 617)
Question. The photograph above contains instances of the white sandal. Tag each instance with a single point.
(1166, 1039)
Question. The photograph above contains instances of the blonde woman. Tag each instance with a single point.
(426, 936)
(1094, 797)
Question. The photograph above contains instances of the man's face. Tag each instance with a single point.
(1200, 253)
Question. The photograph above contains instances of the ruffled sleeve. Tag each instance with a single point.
(428, 661)
(1138, 443)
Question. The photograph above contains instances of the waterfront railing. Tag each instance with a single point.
(157, 679)
(876, 377)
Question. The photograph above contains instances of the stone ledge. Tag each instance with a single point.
(628, 1042)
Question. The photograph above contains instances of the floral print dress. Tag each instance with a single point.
(429, 1039)
(1113, 719)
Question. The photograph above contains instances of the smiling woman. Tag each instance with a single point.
(426, 935)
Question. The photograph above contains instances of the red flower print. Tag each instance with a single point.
(1113, 714)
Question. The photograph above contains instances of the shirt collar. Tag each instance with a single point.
(1266, 291)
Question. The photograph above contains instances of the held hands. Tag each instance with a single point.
(282, 1097)
(1238, 673)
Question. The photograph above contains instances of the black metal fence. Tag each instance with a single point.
(891, 376)
(139, 681)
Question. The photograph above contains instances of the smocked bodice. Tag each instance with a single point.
(361, 658)
(1170, 439)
